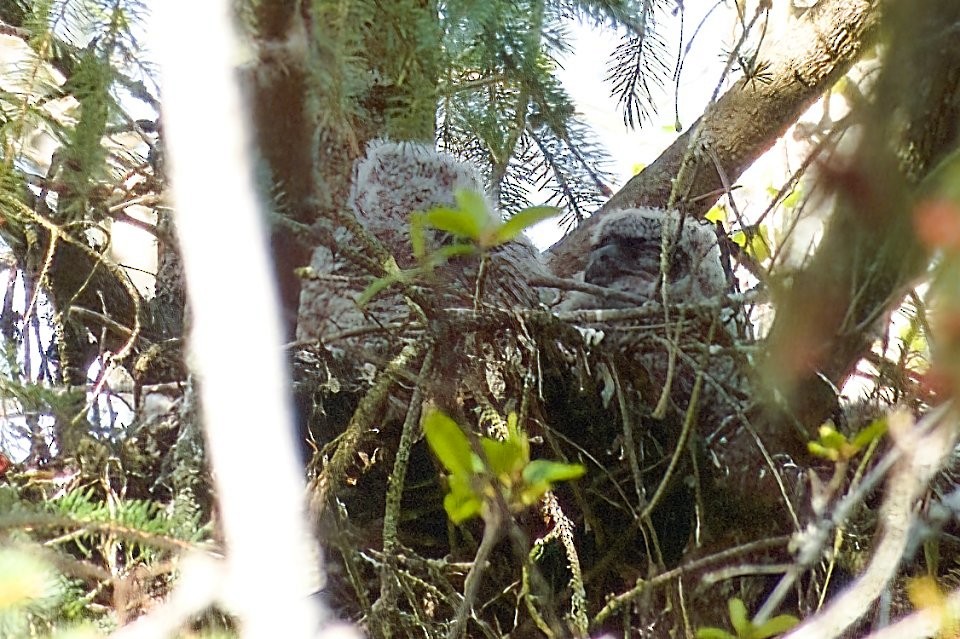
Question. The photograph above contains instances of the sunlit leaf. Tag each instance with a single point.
(865, 436)
(448, 442)
(823, 452)
(462, 502)
(792, 198)
(505, 458)
(758, 244)
(417, 234)
(456, 221)
(714, 633)
(718, 213)
(830, 437)
(522, 220)
(924, 592)
(473, 204)
(772, 627)
(549, 472)
(449, 251)
(738, 616)
(540, 475)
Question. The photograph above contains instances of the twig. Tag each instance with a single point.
(920, 450)
(642, 585)
(391, 511)
(492, 531)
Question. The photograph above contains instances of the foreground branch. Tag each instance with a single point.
(270, 556)
(870, 255)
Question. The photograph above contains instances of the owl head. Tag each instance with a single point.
(395, 179)
(626, 248)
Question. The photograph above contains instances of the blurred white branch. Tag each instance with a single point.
(272, 562)
(922, 449)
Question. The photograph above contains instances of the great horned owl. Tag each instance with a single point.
(625, 255)
(396, 179)
(626, 250)
(392, 181)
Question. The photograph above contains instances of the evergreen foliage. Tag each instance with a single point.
(492, 66)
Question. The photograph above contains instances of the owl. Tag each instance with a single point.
(392, 181)
(396, 179)
(626, 249)
(625, 255)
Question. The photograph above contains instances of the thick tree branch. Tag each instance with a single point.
(745, 122)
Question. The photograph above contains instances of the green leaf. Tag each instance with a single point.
(549, 472)
(458, 222)
(448, 443)
(444, 253)
(504, 458)
(866, 436)
(714, 633)
(717, 214)
(738, 617)
(471, 218)
(515, 434)
(378, 285)
(417, 237)
(793, 198)
(778, 625)
(831, 438)
(530, 494)
(758, 244)
(523, 220)
(831, 454)
(473, 204)
(462, 502)
(540, 475)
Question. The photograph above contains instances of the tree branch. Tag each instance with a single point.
(745, 122)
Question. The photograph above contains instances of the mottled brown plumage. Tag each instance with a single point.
(625, 255)
(626, 249)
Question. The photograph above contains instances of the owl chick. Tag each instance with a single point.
(395, 179)
(626, 250)
(392, 181)
(625, 256)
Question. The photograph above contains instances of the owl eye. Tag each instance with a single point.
(642, 245)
